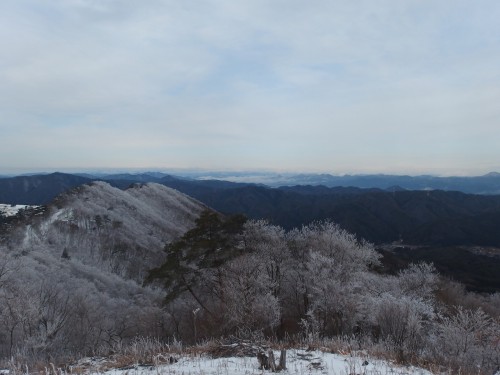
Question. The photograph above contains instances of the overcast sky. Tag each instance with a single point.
(321, 85)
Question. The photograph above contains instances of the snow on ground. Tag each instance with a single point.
(10, 210)
(299, 362)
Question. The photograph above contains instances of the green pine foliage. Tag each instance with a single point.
(211, 243)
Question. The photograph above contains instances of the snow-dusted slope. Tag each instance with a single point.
(119, 231)
(73, 273)
(11, 210)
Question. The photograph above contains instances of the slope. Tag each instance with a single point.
(71, 274)
(122, 231)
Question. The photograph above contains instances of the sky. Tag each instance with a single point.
(330, 86)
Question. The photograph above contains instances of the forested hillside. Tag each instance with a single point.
(378, 216)
(71, 274)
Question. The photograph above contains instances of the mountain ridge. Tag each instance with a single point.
(375, 214)
(98, 223)
(84, 257)
(488, 183)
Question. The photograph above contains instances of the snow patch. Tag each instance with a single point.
(299, 362)
(12, 210)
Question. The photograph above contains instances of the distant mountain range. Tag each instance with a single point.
(440, 223)
(487, 184)
(435, 217)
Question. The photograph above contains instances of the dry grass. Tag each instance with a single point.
(145, 353)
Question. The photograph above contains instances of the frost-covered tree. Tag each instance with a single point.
(418, 280)
(324, 282)
(269, 242)
(350, 255)
(403, 321)
(468, 340)
(249, 302)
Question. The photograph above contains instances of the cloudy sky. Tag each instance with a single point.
(321, 85)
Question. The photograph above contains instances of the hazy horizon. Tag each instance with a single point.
(217, 173)
(325, 87)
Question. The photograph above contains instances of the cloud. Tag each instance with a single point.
(324, 85)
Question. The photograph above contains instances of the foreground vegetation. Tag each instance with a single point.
(316, 286)
(319, 282)
(235, 356)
